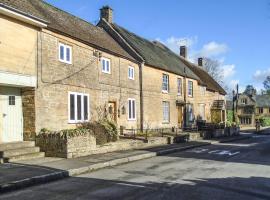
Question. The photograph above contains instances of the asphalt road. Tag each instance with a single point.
(237, 170)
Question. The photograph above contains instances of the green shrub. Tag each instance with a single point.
(265, 121)
(230, 116)
(104, 130)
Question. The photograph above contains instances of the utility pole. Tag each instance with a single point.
(233, 101)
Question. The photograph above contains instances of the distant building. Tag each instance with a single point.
(252, 107)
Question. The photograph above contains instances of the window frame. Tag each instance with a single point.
(60, 44)
(75, 120)
(192, 88)
(106, 60)
(133, 109)
(163, 112)
(167, 83)
(133, 73)
(260, 109)
(179, 86)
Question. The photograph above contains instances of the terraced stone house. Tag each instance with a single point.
(175, 92)
(57, 71)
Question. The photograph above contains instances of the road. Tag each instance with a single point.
(237, 170)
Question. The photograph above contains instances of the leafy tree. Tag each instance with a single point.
(250, 90)
(266, 84)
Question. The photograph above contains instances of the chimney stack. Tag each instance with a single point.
(200, 62)
(106, 13)
(183, 51)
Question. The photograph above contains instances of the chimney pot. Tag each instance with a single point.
(200, 62)
(183, 51)
(106, 13)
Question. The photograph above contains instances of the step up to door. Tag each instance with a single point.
(17, 152)
(16, 145)
(25, 157)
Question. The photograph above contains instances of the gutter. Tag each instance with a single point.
(22, 16)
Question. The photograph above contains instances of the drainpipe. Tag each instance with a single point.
(141, 95)
(185, 98)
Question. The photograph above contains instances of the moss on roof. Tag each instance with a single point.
(156, 54)
(68, 24)
(206, 79)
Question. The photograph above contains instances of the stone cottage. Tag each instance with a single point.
(252, 107)
(175, 92)
(58, 71)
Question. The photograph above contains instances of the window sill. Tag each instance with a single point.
(165, 122)
(106, 72)
(165, 92)
(131, 120)
(65, 62)
(77, 122)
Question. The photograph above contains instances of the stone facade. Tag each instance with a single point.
(84, 75)
(29, 114)
(18, 42)
(153, 98)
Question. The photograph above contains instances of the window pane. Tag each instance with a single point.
(72, 107)
(133, 109)
(108, 66)
(68, 54)
(85, 108)
(11, 100)
(62, 49)
(129, 109)
(79, 107)
(103, 65)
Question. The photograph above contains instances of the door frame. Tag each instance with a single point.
(115, 110)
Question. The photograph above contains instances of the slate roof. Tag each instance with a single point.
(210, 82)
(156, 54)
(68, 24)
(263, 100)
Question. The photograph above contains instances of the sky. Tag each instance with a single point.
(235, 32)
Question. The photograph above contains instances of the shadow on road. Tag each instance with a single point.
(89, 188)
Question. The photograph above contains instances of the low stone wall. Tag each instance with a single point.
(66, 144)
(82, 142)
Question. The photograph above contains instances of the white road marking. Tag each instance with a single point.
(216, 152)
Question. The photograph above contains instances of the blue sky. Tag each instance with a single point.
(236, 32)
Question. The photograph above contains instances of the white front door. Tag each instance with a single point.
(11, 111)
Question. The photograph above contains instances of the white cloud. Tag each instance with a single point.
(213, 49)
(228, 71)
(174, 43)
(260, 75)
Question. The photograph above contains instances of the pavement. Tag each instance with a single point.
(23, 174)
(236, 170)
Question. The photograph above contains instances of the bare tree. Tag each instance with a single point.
(213, 67)
(266, 84)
